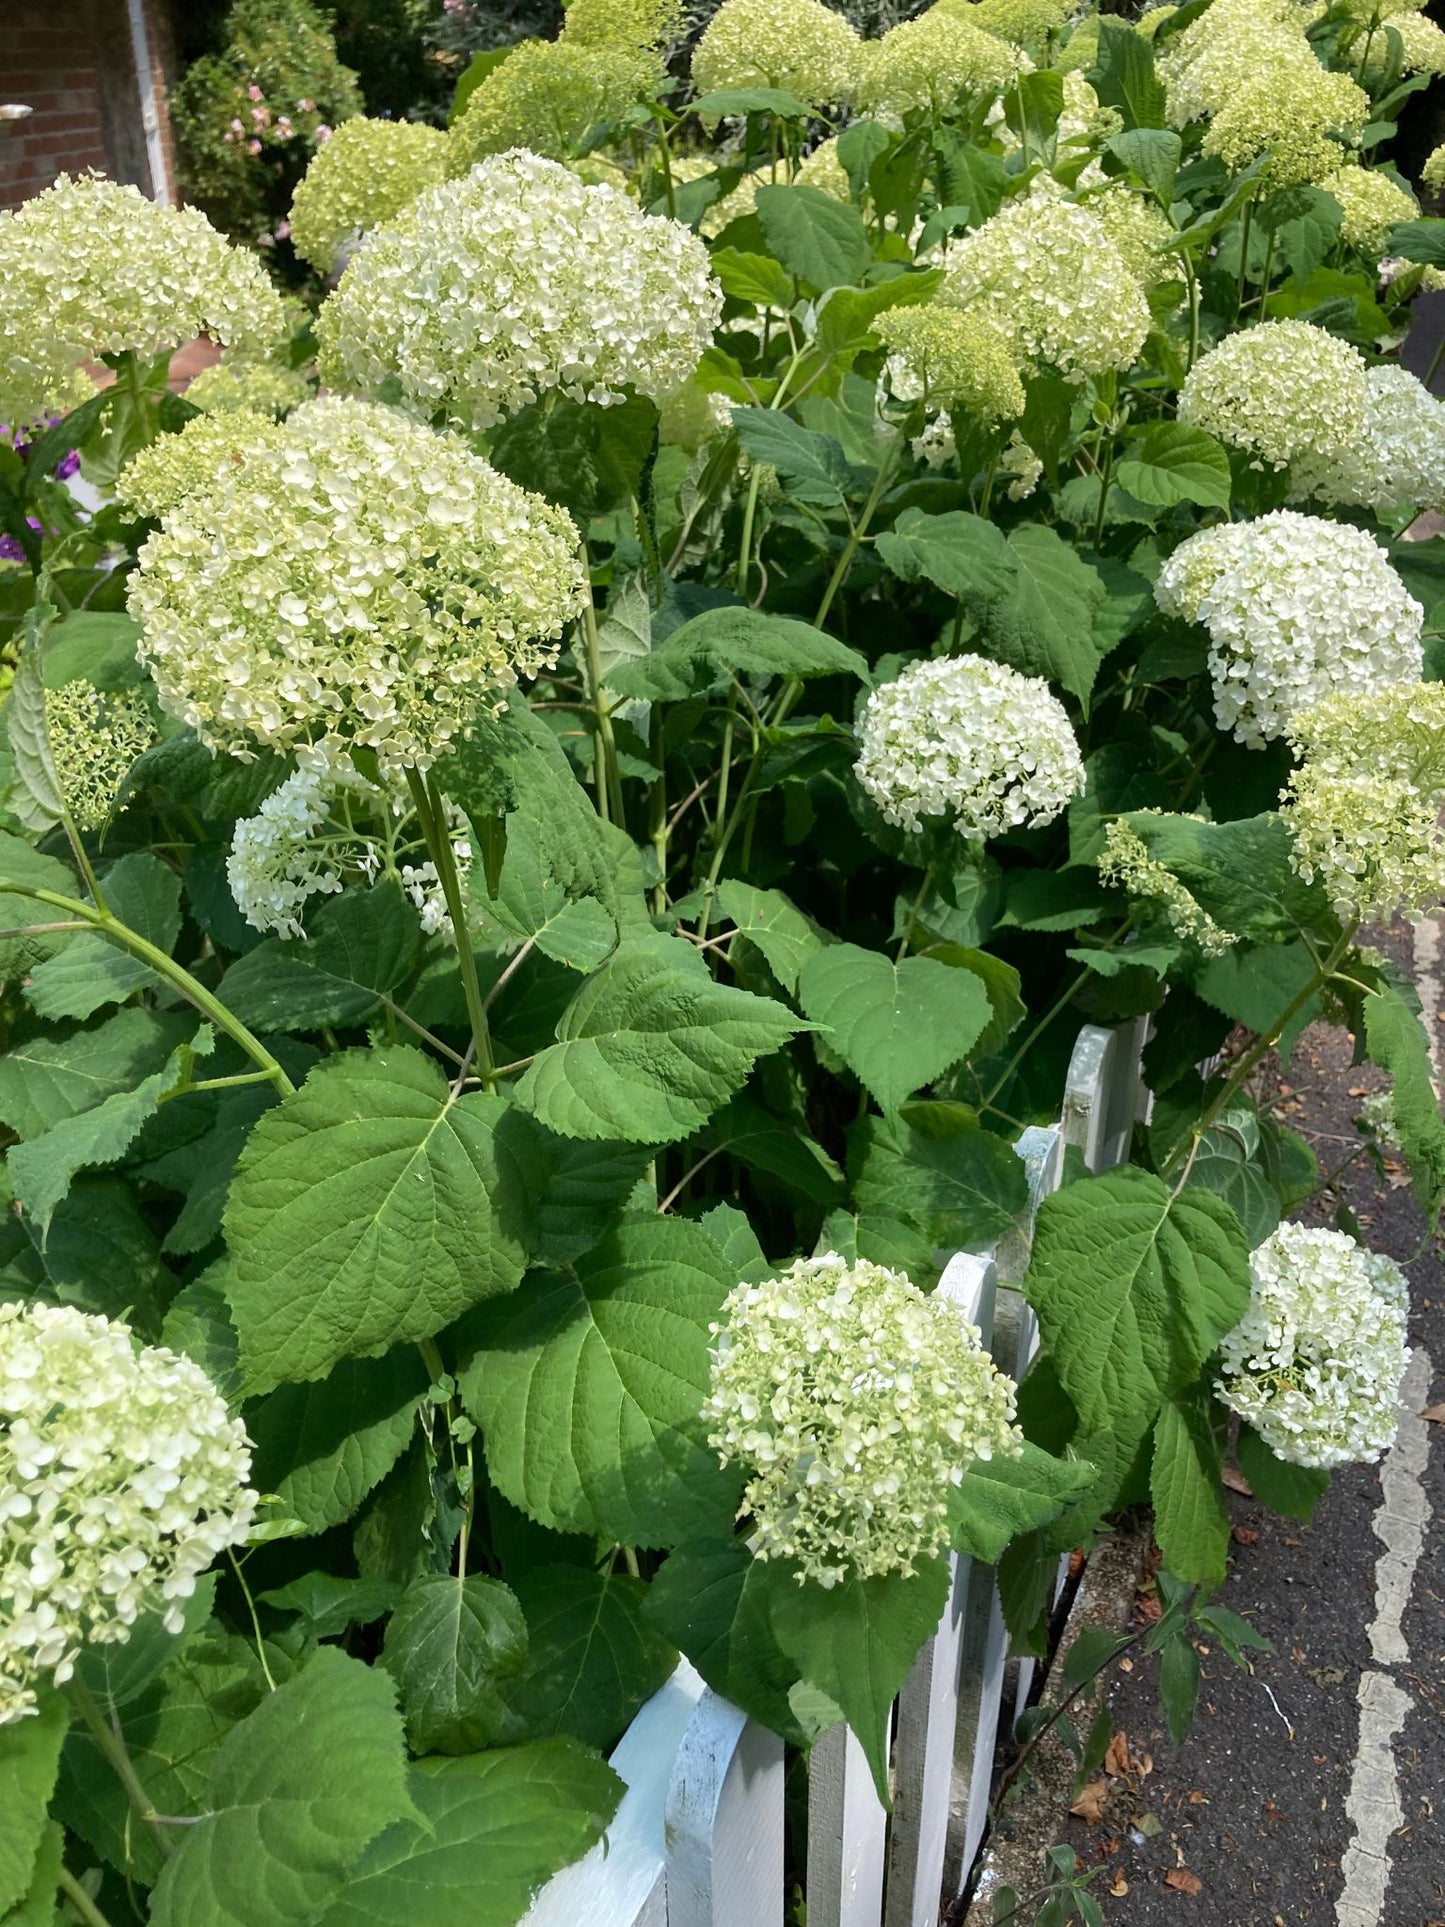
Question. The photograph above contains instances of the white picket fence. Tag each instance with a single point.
(697, 1840)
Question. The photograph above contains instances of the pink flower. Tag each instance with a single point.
(253, 147)
(323, 134)
(255, 92)
(283, 230)
(305, 106)
(237, 127)
(283, 123)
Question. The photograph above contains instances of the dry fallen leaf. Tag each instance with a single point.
(1119, 1886)
(1197, 1797)
(1126, 1665)
(1434, 1414)
(1244, 1536)
(1116, 1759)
(1183, 1882)
(1237, 1482)
(1092, 1802)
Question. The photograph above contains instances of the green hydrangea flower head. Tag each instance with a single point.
(206, 448)
(1373, 203)
(360, 579)
(1141, 231)
(934, 62)
(548, 96)
(1280, 390)
(857, 1403)
(361, 177)
(95, 735)
(650, 24)
(1433, 172)
(236, 384)
(801, 46)
(951, 359)
(1025, 23)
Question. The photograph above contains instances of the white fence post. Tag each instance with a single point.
(847, 1835)
(724, 1820)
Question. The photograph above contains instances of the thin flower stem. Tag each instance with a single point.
(858, 532)
(111, 1742)
(507, 975)
(609, 778)
(80, 1900)
(255, 1622)
(427, 800)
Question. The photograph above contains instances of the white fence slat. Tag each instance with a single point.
(1101, 1094)
(847, 1835)
(725, 1822)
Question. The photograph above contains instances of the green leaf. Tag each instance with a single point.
(1294, 1490)
(723, 643)
(1054, 899)
(593, 1657)
(770, 920)
(491, 1831)
(819, 239)
(297, 1790)
(95, 647)
(1395, 1040)
(1305, 224)
(119, 1674)
(768, 1143)
(1134, 1288)
(714, 1601)
(937, 1169)
(530, 903)
(577, 1189)
(846, 315)
(1124, 76)
(29, 1761)
(588, 1388)
(897, 1026)
(35, 797)
(320, 1448)
(1240, 872)
(585, 458)
(1152, 155)
(1045, 624)
(751, 100)
(648, 1049)
(1419, 241)
(36, 1907)
(368, 1208)
(1168, 464)
(1190, 1521)
(361, 945)
(451, 1646)
(1255, 984)
(856, 1643)
(42, 1168)
(811, 467)
(1000, 1499)
(21, 864)
(1228, 1164)
(752, 277)
(328, 1605)
(143, 893)
(45, 1080)
(1179, 1685)
(961, 554)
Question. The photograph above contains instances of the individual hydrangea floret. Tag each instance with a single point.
(95, 735)
(1125, 863)
(969, 741)
(951, 360)
(362, 176)
(237, 384)
(1046, 274)
(489, 293)
(1315, 1364)
(1377, 1117)
(800, 46)
(548, 96)
(1297, 609)
(935, 62)
(158, 475)
(1280, 390)
(1397, 462)
(1373, 203)
(364, 578)
(857, 1402)
(92, 268)
(1363, 809)
(122, 1477)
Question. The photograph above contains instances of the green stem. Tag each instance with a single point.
(112, 1746)
(745, 548)
(80, 1900)
(196, 993)
(1192, 278)
(724, 827)
(1106, 476)
(135, 388)
(1246, 223)
(857, 533)
(255, 1621)
(427, 801)
(609, 778)
(917, 905)
(1054, 1010)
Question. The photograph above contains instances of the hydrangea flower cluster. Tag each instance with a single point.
(159, 474)
(1027, 23)
(1422, 46)
(1433, 172)
(95, 735)
(1297, 608)
(951, 360)
(934, 61)
(240, 384)
(1396, 463)
(1373, 203)
(1139, 229)
(1315, 1365)
(857, 1401)
(1046, 274)
(971, 740)
(623, 23)
(799, 45)
(488, 293)
(362, 176)
(1125, 863)
(548, 95)
(122, 1476)
(364, 578)
(1363, 809)
(1377, 1116)
(91, 268)
(1279, 390)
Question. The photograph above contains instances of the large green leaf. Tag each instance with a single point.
(959, 1184)
(770, 920)
(768, 1143)
(35, 798)
(370, 1207)
(36, 1906)
(19, 863)
(1255, 984)
(297, 1790)
(490, 1830)
(322, 1446)
(1124, 76)
(648, 1048)
(1190, 1521)
(29, 1759)
(1169, 463)
(328, 1605)
(962, 554)
(144, 894)
(897, 1026)
(361, 945)
(588, 1388)
(820, 239)
(1419, 241)
(722, 643)
(1396, 1041)
(451, 1646)
(531, 903)
(1294, 1490)
(593, 1656)
(1240, 872)
(810, 465)
(585, 458)
(999, 1499)
(46, 1079)
(714, 1601)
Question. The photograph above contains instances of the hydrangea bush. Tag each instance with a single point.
(542, 886)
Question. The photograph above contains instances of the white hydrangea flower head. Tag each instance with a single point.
(1315, 1364)
(1373, 203)
(971, 741)
(364, 578)
(122, 1477)
(958, 361)
(206, 448)
(1433, 172)
(1025, 23)
(857, 1402)
(1080, 51)
(1363, 808)
(95, 735)
(99, 269)
(1140, 230)
(1045, 273)
(800, 46)
(236, 384)
(1422, 46)
(548, 96)
(490, 292)
(1377, 1115)
(1279, 390)
(1297, 609)
(362, 176)
(933, 62)
(1126, 864)
(623, 23)
(1397, 463)
(937, 446)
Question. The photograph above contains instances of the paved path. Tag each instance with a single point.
(1312, 1791)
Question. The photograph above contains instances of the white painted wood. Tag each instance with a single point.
(847, 1835)
(725, 1822)
(1102, 1091)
